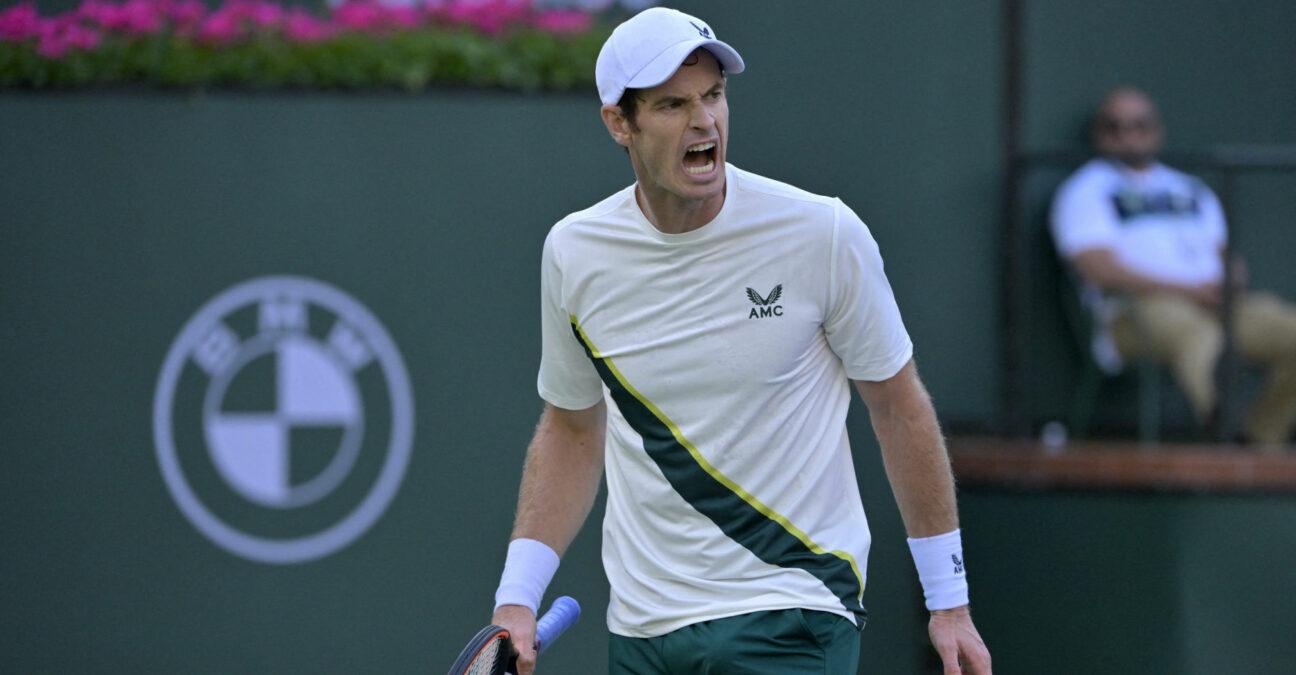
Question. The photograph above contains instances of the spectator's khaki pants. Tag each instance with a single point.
(1188, 338)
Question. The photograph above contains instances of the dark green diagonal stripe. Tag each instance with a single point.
(740, 520)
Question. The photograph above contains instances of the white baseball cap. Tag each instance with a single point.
(649, 47)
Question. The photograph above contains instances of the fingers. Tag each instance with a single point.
(975, 657)
(958, 643)
(944, 637)
(524, 654)
(526, 659)
(520, 622)
(964, 656)
(950, 661)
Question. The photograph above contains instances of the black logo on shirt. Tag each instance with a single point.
(1131, 205)
(765, 306)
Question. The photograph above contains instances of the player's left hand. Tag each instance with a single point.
(958, 643)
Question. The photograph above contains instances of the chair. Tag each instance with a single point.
(1080, 323)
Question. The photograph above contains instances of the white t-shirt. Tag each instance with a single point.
(1159, 222)
(724, 354)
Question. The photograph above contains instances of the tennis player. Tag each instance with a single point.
(701, 331)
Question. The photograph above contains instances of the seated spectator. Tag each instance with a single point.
(1146, 243)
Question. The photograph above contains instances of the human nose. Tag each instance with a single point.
(700, 116)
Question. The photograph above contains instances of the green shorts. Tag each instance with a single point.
(783, 642)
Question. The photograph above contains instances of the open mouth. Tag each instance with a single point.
(700, 159)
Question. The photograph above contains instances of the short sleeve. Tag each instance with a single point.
(567, 378)
(1212, 214)
(863, 323)
(1083, 217)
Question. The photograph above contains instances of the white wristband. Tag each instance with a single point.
(939, 560)
(528, 569)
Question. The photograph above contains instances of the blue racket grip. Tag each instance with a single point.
(562, 614)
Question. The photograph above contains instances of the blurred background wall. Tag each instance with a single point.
(126, 212)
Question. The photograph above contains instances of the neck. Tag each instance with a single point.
(672, 215)
(1137, 166)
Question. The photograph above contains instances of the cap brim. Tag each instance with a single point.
(664, 66)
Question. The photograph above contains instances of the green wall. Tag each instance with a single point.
(1222, 71)
(1098, 582)
(125, 211)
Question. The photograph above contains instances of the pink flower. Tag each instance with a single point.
(133, 17)
(406, 18)
(186, 15)
(221, 27)
(82, 28)
(80, 37)
(489, 16)
(302, 26)
(263, 14)
(52, 47)
(563, 22)
(360, 15)
(19, 23)
(58, 35)
(375, 17)
(236, 18)
(97, 12)
(137, 17)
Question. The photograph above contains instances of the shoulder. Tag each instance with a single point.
(1166, 172)
(609, 207)
(1086, 190)
(1176, 178)
(751, 186)
(610, 210)
(1096, 175)
(806, 211)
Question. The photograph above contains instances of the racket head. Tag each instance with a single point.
(488, 653)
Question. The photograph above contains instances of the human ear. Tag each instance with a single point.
(617, 125)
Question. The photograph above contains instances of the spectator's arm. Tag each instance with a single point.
(1100, 267)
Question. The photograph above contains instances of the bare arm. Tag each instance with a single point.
(913, 452)
(918, 467)
(564, 465)
(1100, 267)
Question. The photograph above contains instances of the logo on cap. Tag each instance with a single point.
(283, 420)
(702, 30)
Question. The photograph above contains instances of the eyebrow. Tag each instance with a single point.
(669, 98)
(1125, 121)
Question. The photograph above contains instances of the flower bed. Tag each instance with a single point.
(361, 44)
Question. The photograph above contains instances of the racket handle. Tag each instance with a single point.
(561, 615)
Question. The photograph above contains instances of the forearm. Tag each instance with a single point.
(1125, 281)
(561, 476)
(918, 468)
(913, 453)
(1101, 268)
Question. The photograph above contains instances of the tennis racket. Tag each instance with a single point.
(490, 652)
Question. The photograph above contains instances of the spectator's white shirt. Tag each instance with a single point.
(1159, 222)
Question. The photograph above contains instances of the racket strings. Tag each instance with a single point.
(488, 659)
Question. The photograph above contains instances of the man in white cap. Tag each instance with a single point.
(700, 329)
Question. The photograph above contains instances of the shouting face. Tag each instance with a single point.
(677, 139)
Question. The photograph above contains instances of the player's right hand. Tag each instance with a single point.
(520, 622)
(958, 642)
